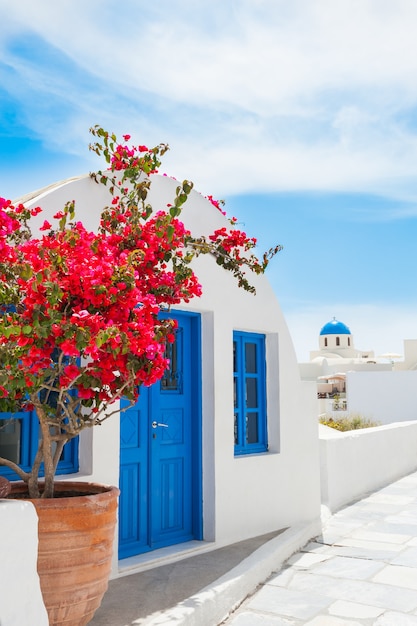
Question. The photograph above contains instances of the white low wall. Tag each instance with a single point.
(384, 397)
(357, 462)
(21, 602)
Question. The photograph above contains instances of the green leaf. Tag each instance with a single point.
(174, 211)
(170, 232)
(187, 185)
(26, 272)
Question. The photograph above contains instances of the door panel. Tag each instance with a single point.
(159, 492)
(133, 477)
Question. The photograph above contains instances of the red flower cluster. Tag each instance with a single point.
(217, 203)
(95, 296)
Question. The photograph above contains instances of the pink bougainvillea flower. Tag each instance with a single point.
(80, 315)
(69, 348)
(71, 371)
(86, 393)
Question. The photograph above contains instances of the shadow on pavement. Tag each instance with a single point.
(139, 595)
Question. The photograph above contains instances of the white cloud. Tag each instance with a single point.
(262, 94)
(252, 95)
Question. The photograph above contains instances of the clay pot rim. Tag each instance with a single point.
(84, 489)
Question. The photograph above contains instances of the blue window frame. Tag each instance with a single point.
(249, 379)
(19, 434)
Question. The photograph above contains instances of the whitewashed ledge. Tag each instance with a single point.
(358, 462)
(21, 602)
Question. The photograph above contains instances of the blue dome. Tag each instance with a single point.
(335, 328)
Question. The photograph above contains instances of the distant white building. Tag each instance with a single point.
(352, 381)
(410, 356)
(337, 354)
(336, 342)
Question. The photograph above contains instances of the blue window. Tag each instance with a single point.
(249, 378)
(19, 442)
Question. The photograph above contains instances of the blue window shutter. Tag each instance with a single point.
(249, 382)
(19, 441)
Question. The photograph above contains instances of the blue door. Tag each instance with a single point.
(160, 461)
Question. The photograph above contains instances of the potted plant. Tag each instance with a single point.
(79, 330)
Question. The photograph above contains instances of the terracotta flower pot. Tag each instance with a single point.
(76, 535)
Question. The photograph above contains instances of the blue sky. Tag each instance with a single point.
(301, 115)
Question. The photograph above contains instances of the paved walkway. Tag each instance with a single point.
(362, 570)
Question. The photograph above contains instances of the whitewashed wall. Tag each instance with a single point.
(21, 602)
(244, 496)
(385, 397)
(355, 463)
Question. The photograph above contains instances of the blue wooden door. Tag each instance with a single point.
(160, 473)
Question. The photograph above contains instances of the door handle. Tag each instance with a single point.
(156, 424)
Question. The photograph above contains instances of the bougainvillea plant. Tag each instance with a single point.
(79, 310)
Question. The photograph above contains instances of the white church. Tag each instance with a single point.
(356, 382)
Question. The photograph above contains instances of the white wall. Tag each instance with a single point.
(244, 496)
(255, 494)
(21, 602)
(385, 397)
(357, 462)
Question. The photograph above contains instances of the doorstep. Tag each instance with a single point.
(163, 556)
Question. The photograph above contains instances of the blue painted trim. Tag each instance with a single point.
(198, 426)
(197, 434)
(241, 339)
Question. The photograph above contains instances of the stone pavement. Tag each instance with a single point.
(362, 570)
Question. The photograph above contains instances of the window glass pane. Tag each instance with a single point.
(250, 358)
(251, 393)
(252, 428)
(53, 447)
(236, 429)
(171, 379)
(10, 433)
(235, 395)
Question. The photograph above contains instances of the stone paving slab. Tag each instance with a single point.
(361, 571)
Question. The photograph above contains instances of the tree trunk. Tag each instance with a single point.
(44, 454)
